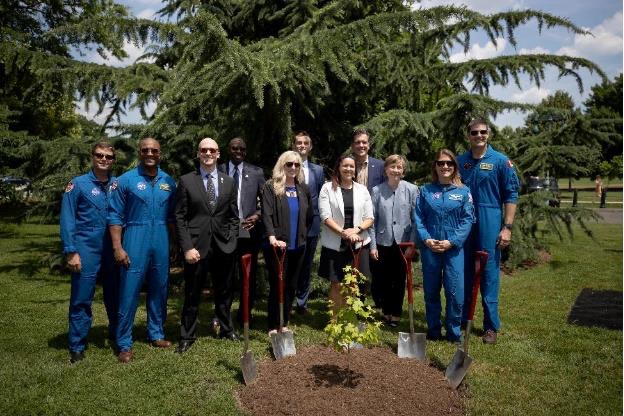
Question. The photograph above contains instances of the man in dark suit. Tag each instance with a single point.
(248, 180)
(314, 178)
(207, 226)
(370, 173)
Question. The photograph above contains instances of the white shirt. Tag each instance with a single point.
(231, 167)
(306, 172)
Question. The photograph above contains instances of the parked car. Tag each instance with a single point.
(549, 183)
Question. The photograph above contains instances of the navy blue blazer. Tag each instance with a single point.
(316, 179)
(375, 173)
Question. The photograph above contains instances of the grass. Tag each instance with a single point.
(541, 365)
(588, 183)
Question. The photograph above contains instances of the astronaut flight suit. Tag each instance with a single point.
(143, 207)
(443, 212)
(84, 231)
(493, 182)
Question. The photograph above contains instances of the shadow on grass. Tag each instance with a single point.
(597, 308)
(557, 264)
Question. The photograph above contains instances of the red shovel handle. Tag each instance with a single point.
(481, 258)
(356, 255)
(408, 268)
(279, 258)
(246, 265)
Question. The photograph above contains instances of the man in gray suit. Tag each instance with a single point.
(314, 178)
(248, 181)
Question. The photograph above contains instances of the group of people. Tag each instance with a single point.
(220, 212)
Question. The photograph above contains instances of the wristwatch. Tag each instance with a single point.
(508, 226)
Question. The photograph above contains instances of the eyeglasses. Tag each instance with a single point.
(477, 132)
(442, 163)
(147, 150)
(238, 148)
(291, 164)
(101, 156)
(210, 150)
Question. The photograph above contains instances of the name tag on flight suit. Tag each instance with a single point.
(486, 166)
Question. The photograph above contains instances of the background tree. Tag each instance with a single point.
(604, 106)
(263, 68)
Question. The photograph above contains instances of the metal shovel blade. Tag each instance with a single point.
(248, 365)
(412, 345)
(283, 344)
(457, 369)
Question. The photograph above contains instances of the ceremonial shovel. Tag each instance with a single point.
(248, 364)
(410, 345)
(282, 342)
(458, 368)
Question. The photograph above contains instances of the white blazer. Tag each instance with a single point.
(331, 205)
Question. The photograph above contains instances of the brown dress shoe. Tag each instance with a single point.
(489, 337)
(161, 343)
(125, 356)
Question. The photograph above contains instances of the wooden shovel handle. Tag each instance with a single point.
(408, 268)
(481, 258)
(356, 255)
(279, 259)
(246, 265)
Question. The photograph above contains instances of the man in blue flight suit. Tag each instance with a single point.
(87, 245)
(493, 183)
(142, 204)
(314, 178)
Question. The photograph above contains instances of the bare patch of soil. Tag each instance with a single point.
(316, 382)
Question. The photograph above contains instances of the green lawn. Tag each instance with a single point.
(541, 365)
(588, 183)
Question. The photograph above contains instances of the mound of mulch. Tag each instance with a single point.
(316, 382)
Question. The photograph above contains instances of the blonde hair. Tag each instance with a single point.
(279, 175)
(392, 159)
(455, 178)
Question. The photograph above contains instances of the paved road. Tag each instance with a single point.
(610, 215)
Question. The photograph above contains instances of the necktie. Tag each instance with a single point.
(235, 177)
(212, 195)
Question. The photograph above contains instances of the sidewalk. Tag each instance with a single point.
(609, 215)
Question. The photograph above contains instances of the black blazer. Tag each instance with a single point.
(251, 187)
(276, 213)
(195, 226)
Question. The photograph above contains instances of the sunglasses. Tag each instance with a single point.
(147, 150)
(477, 132)
(238, 148)
(210, 150)
(442, 163)
(291, 164)
(101, 156)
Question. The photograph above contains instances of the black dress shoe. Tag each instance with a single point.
(231, 336)
(75, 356)
(184, 346)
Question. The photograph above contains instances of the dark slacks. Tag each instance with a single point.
(303, 284)
(220, 266)
(391, 276)
(292, 269)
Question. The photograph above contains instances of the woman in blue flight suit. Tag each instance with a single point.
(87, 245)
(444, 215)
